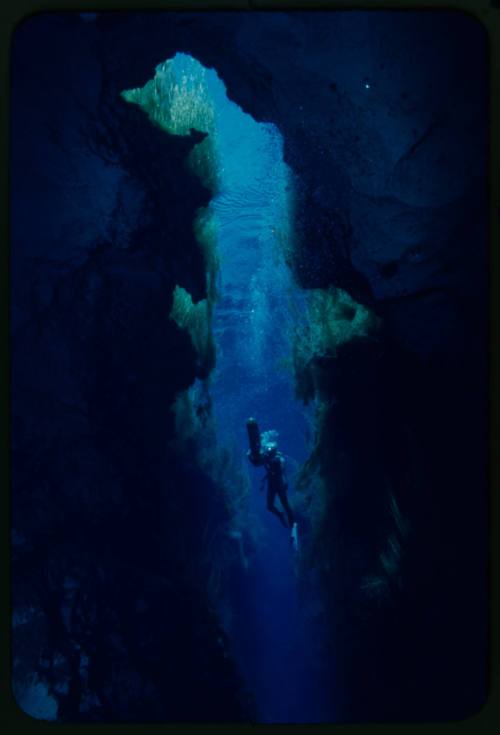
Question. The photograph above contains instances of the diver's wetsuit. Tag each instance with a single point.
(276, 485)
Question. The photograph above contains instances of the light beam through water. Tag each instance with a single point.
(275, 642)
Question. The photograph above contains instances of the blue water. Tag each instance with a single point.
(276, 643)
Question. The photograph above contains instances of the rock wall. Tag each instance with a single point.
(113, 610)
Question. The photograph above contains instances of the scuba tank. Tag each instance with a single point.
(254, 453)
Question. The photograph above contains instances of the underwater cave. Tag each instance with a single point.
(219, 232)
(255, 313)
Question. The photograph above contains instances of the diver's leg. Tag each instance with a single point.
(286, 506)
(271, 495)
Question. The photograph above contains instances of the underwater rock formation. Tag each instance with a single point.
(114, 617)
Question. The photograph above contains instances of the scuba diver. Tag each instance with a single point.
(273, 461)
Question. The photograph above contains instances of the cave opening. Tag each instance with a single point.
(252, 311)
